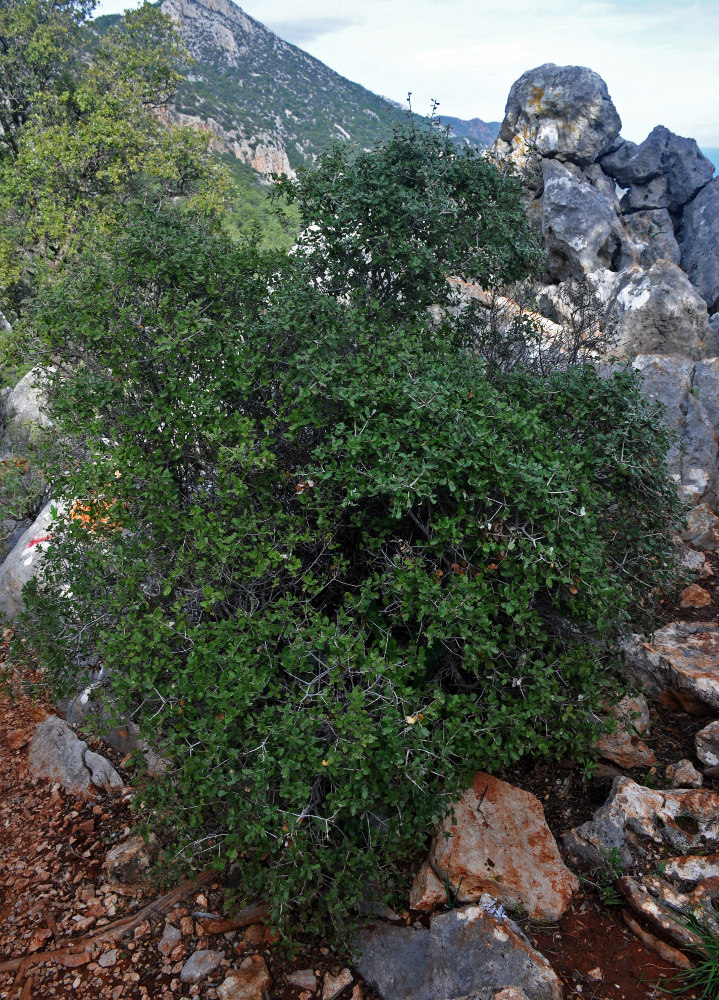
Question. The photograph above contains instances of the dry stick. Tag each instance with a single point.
(70, 946)
(252, 914)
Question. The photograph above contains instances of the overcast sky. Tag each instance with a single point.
(660, 58)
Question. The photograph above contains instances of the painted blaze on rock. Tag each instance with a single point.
(500, 844)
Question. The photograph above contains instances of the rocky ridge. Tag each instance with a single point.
(270, 104)
(638, 223)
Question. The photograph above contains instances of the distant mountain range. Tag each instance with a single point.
(271, 105)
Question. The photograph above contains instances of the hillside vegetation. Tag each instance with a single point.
(329, 557)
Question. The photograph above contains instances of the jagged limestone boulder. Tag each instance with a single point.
(677, 665)
(675, 166)
(634, 819)
(653, 232)
(580, 226)
(558, 112)
(497, 841)
(23, 562)
(56, 753)
(699, 241)
(658, 311)
(692, 458)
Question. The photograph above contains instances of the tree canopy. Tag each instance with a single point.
(82, 141)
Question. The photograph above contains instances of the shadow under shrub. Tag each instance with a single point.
(327, 563)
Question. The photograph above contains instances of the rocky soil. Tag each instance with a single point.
(69, 926)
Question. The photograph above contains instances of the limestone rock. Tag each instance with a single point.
(500, 844)
(706, 742)
(695, 596)
(624, 746)
(333, 985)
(654, 234)
(690, 561)
(129, 863)
(462, 953)
(679, 665)
(427, 892)
(683, 774)
(658, 311)
(702, 528)
(171, 937)
(634, 815)
(663, 154)
(23, 563)
(303, 979)
(580, 226)
(25, 402)
(705, 385)
(692, 458)
(57, 754)
(646, 197)
(664, 908)
(200, 965)
(252, 981)
(561, 112)
(699, 242)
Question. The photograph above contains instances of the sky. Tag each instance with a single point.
(659, 58)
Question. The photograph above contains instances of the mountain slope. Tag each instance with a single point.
(272, 106)
(264, 95)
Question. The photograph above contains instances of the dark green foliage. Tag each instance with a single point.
(329, 564)
(391, 226)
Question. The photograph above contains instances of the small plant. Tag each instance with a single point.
(606, 876)
(702, 979)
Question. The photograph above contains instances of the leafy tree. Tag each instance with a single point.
(38, 53)
(84, 143)
(391, 224)
(328, 563)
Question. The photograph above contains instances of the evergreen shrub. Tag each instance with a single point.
(327, 562)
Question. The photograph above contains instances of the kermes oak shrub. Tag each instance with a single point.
(326, 563)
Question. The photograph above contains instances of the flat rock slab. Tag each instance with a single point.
(500, 844)
(685, 820)
(679, 665)
(56, 753)
(463, 952)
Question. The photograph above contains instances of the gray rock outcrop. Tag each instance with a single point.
(672, 166)
(560, 112)
(699, 241)
(692, 458)
(651, 260)
(57, 754)
(580, 226)
(463, 952)
(653, 232)
(657, 310)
